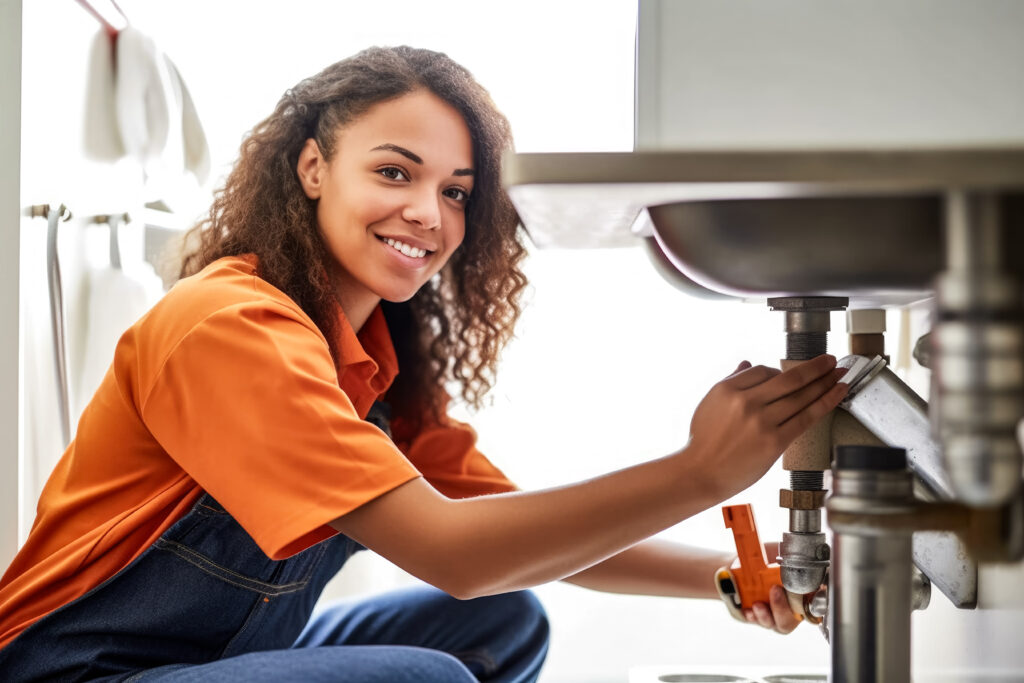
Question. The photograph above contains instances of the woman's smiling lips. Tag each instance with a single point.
(413, 250)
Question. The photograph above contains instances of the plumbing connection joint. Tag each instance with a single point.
(804, 552)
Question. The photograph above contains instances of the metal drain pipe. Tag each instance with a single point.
(871, 593)
(978, 353)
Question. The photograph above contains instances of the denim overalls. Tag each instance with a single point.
(204, 603)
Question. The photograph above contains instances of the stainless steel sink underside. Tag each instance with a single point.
(868, 224)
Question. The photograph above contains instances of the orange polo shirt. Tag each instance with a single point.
(225, 386)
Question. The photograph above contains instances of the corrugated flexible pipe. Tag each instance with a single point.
(53, 217)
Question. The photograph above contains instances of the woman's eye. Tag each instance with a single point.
(392, 173)
(457, 193)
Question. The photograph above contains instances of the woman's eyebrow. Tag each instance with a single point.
(415, 158)
(387, 146)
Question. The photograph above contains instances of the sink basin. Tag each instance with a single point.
(868, 224)
(884, 247)
(878, 250)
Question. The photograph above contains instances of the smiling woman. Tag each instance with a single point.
(391, 217)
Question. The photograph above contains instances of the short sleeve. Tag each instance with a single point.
(248, 405)
(447, 456)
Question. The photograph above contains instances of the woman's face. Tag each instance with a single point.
(392, 200)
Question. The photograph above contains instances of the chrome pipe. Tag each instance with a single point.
(977, 352)
(871, 593)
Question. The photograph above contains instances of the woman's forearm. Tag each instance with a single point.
(494, 544)
(657, 567)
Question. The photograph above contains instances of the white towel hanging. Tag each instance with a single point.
(138, 105)
(119, 293)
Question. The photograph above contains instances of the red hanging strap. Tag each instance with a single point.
(108, 13)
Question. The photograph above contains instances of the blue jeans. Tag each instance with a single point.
(204, 603)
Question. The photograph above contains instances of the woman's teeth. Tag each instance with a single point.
(405, 248)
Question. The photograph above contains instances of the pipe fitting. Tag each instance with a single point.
(804, 560)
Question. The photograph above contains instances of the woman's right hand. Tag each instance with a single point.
(745, 422)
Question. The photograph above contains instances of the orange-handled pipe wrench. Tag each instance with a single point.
(751, 576)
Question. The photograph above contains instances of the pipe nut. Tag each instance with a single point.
(801, 500)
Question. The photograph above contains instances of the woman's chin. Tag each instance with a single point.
(397, 296)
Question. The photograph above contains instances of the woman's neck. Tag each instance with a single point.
(357, 309)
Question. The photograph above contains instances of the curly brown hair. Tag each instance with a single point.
(454, 327)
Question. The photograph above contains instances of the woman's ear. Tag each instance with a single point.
(311, 168)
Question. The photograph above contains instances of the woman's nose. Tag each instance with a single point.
(423, 209)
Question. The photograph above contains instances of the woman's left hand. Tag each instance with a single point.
(775, 614)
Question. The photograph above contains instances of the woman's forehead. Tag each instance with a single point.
(419, 122)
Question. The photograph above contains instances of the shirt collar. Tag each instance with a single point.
(367, 363)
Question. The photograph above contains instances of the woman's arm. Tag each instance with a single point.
(657, 567)
(662, 568)
(492, 544)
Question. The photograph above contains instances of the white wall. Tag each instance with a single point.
(849, 74)
(10, 219)
(840, 73)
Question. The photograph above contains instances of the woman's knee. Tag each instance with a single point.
(522, 612)
(526, 606)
